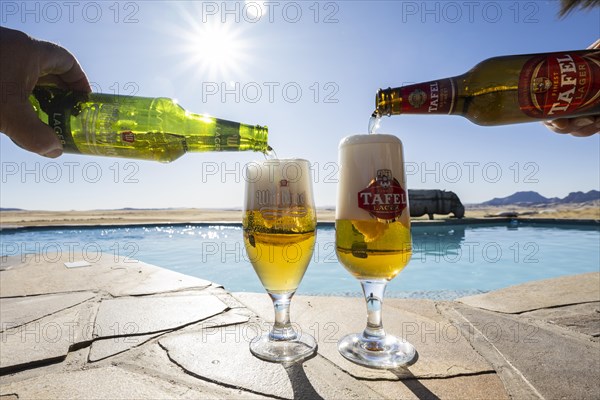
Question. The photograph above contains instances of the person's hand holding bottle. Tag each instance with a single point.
(25, 63)
(580, 126)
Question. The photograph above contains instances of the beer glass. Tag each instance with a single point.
(373, 240)
(279, 225)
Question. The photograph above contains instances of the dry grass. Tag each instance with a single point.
(126, 217)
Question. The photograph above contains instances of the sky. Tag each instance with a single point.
(309, 71)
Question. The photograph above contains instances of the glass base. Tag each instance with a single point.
(289, 351)
(386, 353)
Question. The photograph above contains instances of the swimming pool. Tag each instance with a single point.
(448, 261)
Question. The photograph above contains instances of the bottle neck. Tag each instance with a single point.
(433, 97)
(203, 132)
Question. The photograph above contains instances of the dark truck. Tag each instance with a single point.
(432, 201)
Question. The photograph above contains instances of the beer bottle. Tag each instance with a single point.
(138, 127)
(506, 90)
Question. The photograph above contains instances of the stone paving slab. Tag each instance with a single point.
(9, 262)
(153, 360)
(142, 315)
(485, 386)
(47, 274)
(159, 280)
(223, 357)
(228, 318)
(110, 383)
(533, 358)
(443, 351)
(47, 339)
(17, 311)
(104, 348)
(582, 318)
(572, 289)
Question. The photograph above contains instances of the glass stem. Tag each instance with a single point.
(282, 328)
(373, 291)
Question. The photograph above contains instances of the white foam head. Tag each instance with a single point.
(282, 179)
(360, 157)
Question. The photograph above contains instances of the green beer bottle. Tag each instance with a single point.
(138, 127)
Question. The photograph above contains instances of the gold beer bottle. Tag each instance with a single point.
(138, 127)
(506, 90)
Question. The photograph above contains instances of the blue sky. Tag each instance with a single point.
(309, 70)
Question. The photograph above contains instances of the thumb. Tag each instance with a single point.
(24, 127)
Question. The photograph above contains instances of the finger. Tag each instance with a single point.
(595, 45)
(580, 126)
(558, 125)
(587, 130)
(24, 127)
(55, 60)
(51, 80)
(561, 123)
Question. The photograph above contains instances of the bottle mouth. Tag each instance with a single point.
(383, 103)
(261, 139)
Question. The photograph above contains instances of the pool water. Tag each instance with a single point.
(448, 261)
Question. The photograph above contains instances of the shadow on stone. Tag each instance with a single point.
(301, 385)
(413, 384)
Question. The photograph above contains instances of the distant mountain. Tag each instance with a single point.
(518, 198)
(531, 197)
(580, 197)
(10, 209)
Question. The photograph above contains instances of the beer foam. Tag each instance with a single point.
(359, 158)
(282, 179)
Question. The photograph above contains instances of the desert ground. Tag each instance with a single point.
(9, 219)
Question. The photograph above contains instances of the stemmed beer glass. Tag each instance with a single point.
(279, 225)
(373, 239)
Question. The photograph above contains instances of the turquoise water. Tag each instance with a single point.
(448, 260)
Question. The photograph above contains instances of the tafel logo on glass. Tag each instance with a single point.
(384, 198)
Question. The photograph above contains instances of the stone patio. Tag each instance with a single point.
(123, 329)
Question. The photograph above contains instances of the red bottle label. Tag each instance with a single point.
(128, 137)
(560, 84)
(435, 97)
(384, 198)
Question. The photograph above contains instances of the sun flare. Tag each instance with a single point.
(210, 50)
(216, 48)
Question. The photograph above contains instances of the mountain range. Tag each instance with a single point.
(518, 198)
(531, 197)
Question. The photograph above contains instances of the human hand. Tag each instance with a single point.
(25, 63)
(579, 126)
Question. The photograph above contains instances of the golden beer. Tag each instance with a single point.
(280, 258)
(373, 249)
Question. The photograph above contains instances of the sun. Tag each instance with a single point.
(216, 49)
(210, 50)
